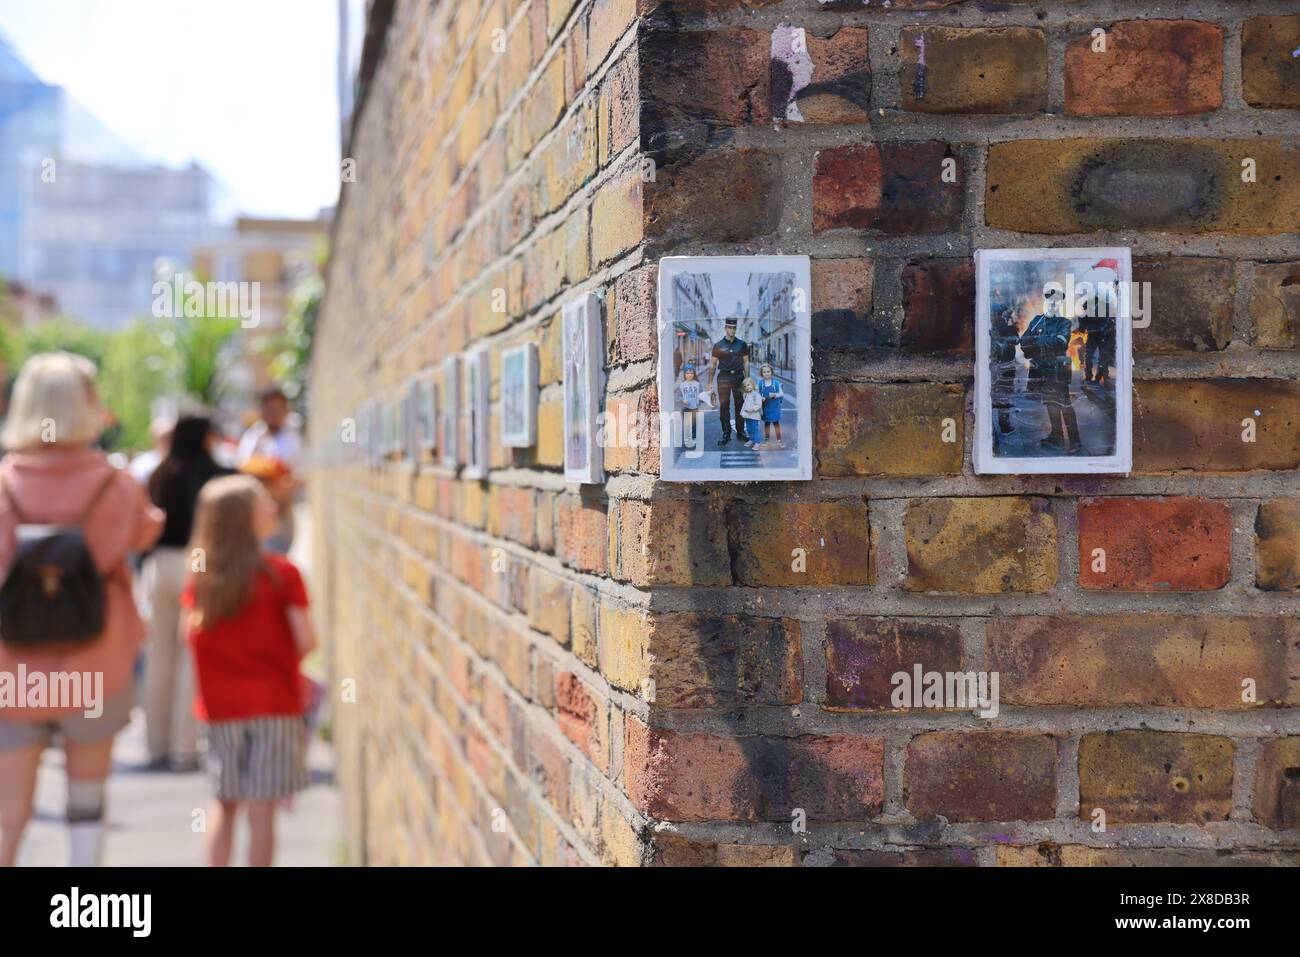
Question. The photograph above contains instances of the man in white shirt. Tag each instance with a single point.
(272, 437)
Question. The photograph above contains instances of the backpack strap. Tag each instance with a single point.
(13, 502)
(86, 513)
(94, 499)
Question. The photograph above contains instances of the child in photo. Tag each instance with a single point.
(688, 390)
(751, 411)
(769, 387)
(248, 628)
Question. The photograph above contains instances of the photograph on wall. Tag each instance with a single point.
(519, 396)
(427, 414)
(449, 412)
(583, 347)
(1054, 362)
(735, 369)
(413, 425)
(477, 381)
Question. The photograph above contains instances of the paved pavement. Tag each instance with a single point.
(152, 815)
(735, 455)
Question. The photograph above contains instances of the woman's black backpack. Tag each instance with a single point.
(54, 594)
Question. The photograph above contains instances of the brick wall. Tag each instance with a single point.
(635, 673)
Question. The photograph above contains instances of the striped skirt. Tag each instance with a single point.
(256, 759)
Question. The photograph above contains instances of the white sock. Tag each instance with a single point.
(85, 823)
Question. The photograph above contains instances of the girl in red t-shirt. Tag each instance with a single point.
(248, 627)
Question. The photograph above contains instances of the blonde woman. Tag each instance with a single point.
(52, 476)
(248, 630)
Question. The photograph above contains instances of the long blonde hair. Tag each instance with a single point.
(225, 541)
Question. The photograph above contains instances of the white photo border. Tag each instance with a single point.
(525, 436)
(672, 266)
(585, 309)
(1121, 462)
(478, 380)
(449, 413)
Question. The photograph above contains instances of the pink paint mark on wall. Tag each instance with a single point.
(789, 56)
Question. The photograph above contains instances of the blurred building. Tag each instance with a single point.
(82, 218)
(276, 254)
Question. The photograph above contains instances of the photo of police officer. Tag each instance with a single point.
(735, 368)
(1048, 396)
(728, 369)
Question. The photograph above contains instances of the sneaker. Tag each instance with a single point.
(724, 440)
(1052, 446)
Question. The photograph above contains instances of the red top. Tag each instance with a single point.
(247, 665)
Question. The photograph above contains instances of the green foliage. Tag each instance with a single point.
(291, 349)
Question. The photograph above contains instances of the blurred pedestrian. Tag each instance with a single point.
(52, 477)
(171, 731)
(272, 448)
(249, 630)
(142, 465)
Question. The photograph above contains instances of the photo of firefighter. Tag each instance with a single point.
(1052, 357)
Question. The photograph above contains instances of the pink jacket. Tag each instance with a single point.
(54, 486)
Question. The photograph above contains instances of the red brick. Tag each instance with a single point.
(939, 307)
(890, 187)
(581, 534)
(863, 654)
(981, 776)
(1153, 777)
(698, 776)
(1148, 68)
(889, 429)
(801, 543)
(1196, 424)
(583, 717)
(634, 319)
(696, 83)
(974, 70)
(1155, 544)
(1155, 660)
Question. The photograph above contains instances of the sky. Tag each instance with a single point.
(247, 88)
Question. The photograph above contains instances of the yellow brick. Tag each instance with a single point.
(623, 651)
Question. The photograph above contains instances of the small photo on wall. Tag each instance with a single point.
(583, 347)
(412, 426)
(519, 396)
(449, 413)
(390, 441)
(1054, 361)
(426, 400)
(735, 369)
(478, 374)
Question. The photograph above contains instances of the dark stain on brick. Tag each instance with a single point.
(1149, 185)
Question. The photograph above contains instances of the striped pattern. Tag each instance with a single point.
(257, 758)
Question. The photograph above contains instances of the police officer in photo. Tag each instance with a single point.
(1046, 344)
(728, 367)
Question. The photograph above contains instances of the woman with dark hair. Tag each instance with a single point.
(168, 674)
